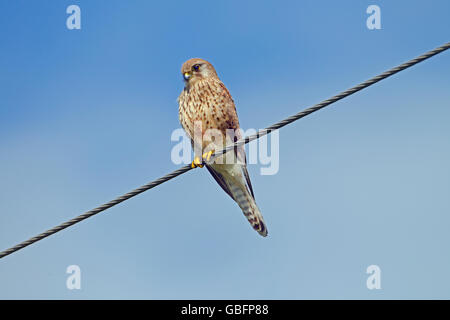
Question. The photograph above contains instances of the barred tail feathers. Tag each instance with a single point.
(235, 182)
(248, 205)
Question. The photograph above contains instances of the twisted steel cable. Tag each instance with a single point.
(334, 99)
(246, 140)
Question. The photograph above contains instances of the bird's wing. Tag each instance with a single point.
(233, 123)
(247, 178)
(240, 154)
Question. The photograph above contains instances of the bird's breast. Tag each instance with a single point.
(203, 104)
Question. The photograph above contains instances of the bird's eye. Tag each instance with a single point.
(196, 67)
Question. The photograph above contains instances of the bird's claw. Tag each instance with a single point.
(198, 162)
(207, 155)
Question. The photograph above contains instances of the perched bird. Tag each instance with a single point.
(206, 105)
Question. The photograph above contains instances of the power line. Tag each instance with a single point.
(259, 134)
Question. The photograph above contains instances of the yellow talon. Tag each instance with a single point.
(197, 163)
(207, 155)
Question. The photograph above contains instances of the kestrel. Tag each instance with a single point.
(206, 105)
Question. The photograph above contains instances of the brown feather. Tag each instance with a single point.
(206, 100)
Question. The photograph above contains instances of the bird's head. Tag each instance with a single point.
(197, 69)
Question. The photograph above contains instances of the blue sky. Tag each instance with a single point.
(86, 115)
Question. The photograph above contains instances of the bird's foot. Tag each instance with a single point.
(198, 162)
(207, 155)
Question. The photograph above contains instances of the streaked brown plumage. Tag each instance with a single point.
(205, 100)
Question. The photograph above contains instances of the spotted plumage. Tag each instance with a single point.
(205, 105)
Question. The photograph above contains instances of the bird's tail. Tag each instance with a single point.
(248, 205)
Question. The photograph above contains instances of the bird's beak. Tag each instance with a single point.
(187, 76)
